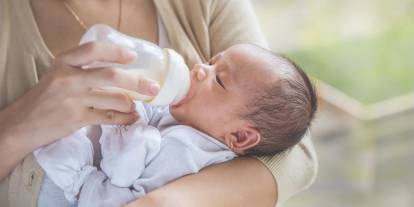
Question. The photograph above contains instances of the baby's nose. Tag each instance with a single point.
(199, 72)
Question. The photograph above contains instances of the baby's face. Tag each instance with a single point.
(218, 94)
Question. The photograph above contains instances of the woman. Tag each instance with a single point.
(44, 95)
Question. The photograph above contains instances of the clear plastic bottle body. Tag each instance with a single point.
(162, 65)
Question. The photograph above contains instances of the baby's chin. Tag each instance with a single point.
(181, 109)
(183, 115)
(178, 113)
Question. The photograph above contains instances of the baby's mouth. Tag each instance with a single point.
(187, 97)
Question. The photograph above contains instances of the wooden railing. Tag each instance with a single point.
(362, 126)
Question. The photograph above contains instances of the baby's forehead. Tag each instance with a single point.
(251, 64)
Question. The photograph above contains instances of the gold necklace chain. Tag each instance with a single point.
(83, 25)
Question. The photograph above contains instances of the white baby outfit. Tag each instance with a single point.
(136, 159)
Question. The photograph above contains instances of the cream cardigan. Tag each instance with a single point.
(197, 29)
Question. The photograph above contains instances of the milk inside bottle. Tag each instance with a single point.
(165, 66)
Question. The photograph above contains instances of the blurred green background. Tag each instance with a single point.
(364, 139)
(367, 43)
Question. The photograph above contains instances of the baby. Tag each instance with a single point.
(246, 101)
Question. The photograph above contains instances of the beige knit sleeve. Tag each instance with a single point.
(4, 42)
(233, 22)
(294, 170)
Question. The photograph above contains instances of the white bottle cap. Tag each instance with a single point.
(177, 80)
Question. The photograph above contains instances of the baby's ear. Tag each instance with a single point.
(243, 139)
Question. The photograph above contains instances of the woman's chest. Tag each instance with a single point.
(61, 26)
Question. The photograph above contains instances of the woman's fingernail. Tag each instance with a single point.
(132, 55)
(133, 106)
(154, 89)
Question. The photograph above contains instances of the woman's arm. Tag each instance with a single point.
(241, 182)
(233, 22)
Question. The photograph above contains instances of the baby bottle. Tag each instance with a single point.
(162, 65)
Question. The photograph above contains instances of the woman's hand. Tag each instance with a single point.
(67, 98)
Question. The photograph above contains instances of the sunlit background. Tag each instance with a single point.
(361, 56)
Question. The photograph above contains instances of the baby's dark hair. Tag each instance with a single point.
(283, 112)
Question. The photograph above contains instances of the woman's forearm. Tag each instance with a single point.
(240, 182)
(11, 153)
(12, 148)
